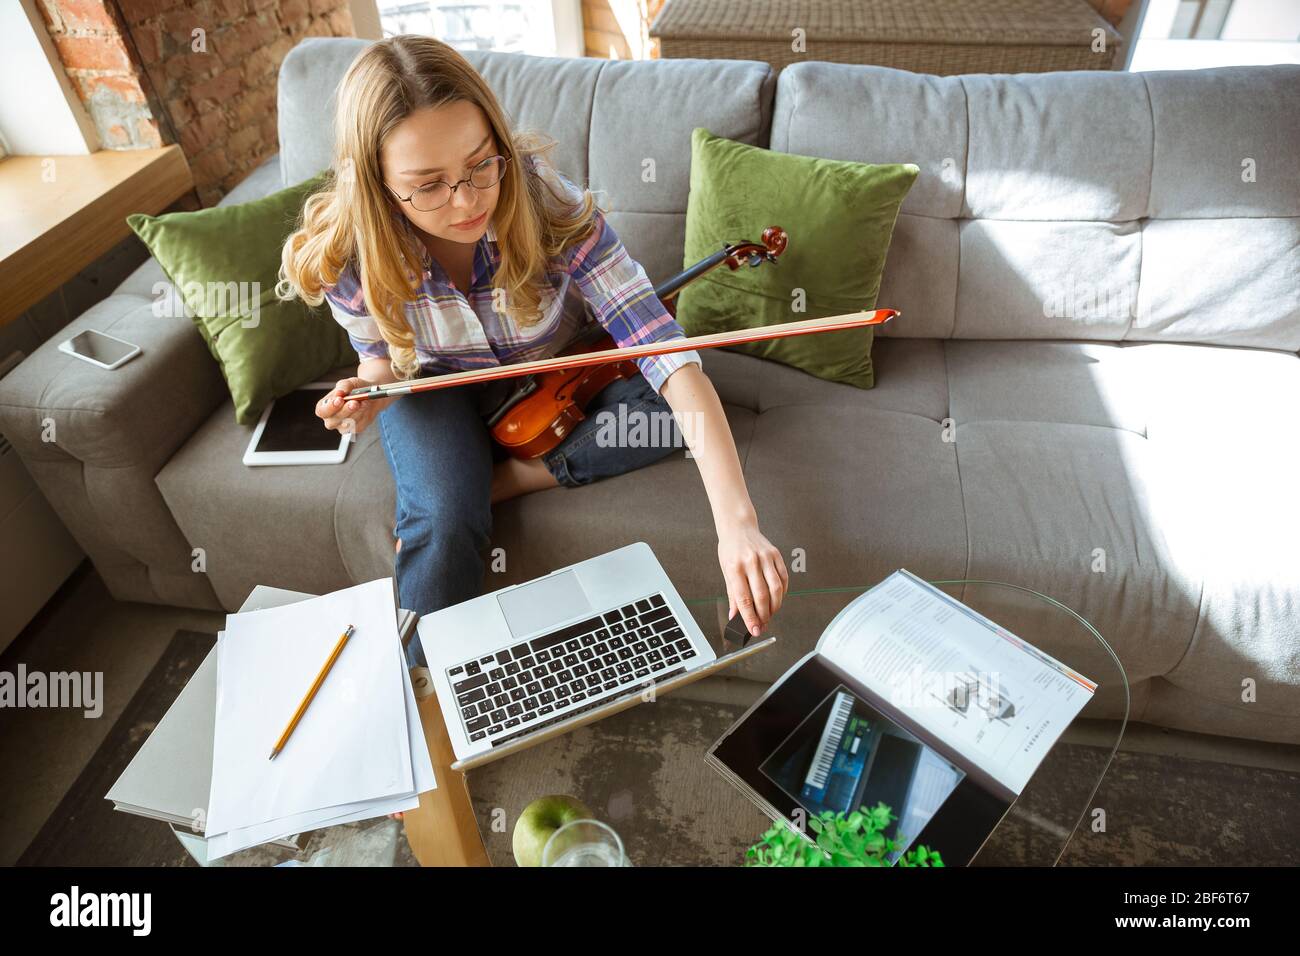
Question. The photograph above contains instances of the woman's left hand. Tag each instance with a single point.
(755, 573)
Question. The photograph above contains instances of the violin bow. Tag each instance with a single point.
(832, 323)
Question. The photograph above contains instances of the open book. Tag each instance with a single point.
(912, 699)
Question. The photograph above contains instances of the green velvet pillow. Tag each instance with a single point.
(839, 217)
(225, 262)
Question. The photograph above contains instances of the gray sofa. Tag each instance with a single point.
(1090, 392)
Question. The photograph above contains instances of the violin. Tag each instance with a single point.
(544, 408)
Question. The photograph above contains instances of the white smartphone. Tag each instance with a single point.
(106, 351)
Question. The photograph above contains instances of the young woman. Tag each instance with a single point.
(445, 241)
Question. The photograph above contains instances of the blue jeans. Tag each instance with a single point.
(441, 455)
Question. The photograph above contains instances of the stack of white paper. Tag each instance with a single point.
(359, 749)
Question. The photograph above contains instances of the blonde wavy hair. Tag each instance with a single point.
(351, 221)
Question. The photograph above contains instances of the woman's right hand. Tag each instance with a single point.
(349, 416)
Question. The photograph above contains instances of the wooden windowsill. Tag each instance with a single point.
(58, 214)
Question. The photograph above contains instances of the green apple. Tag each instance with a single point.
(539, 820)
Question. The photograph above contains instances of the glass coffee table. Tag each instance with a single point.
(1040, 824)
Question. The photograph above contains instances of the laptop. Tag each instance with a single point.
(534, 660)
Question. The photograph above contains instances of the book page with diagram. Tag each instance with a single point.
(994, 698)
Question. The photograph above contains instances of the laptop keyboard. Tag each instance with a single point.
(554, 676)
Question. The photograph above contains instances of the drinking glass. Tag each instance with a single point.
(584, 843)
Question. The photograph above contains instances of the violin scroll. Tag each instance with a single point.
(775, 239)
(754, 253)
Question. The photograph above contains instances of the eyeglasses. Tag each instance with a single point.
(436, 195)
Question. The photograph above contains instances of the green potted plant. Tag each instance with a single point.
(857, 839)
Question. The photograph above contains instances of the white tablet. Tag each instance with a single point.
(290, 433)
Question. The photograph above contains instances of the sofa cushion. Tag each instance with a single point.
(224, 263)
(1018, 208)
(311, 528)
(1033, 152)
(1072, 383)
(1170, 461)
(150, 281)
(1072, 511)
(1227, 281)
(94, 439)
(1051, 280)
(1226, 142)
(1173, 392)
(840, 215)
(912, 379)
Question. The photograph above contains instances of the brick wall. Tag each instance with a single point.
(92, 43)
(198, 72)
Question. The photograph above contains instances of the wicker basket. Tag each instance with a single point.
(925, 36)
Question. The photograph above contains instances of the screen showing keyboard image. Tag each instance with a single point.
(578, 667)
(846, 755)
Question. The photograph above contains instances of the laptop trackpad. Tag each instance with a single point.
(543, 604)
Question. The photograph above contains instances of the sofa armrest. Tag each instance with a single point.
(94, 440)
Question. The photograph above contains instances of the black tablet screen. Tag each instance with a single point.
(294, 426)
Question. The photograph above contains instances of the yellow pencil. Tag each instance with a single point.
(320, 679)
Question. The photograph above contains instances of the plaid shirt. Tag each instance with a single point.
(455, 333)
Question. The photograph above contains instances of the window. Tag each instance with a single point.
(40, 114)
(539, 27)
(1190, 34)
